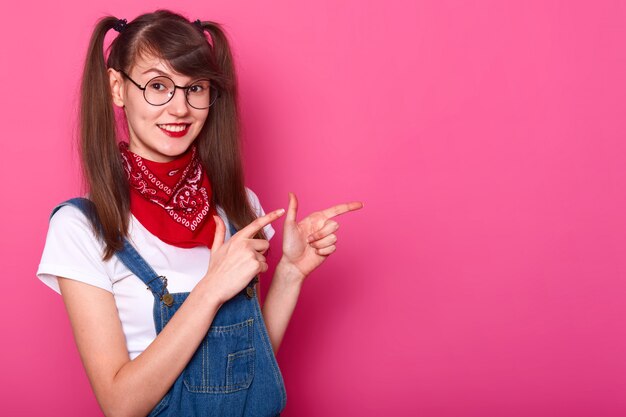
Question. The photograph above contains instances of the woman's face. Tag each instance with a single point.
(157, 133)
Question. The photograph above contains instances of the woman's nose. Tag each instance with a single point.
(178, 104)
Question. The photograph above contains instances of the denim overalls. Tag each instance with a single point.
(234, 371)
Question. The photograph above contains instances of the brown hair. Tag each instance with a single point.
(185, 47)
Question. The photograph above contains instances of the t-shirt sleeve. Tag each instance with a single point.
(72, 251)
(256, 205)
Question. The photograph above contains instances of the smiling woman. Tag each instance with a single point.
(161, 123)
(159, 265)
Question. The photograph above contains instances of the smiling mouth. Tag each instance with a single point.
(175, 130)
(174, 127)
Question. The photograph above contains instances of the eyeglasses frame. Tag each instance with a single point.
(186, 89)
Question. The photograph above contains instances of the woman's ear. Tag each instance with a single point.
(117, 87)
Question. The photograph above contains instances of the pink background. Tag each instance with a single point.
(485, 275)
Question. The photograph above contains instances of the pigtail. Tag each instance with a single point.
(226, 172)
(102, 166)
(221, 52)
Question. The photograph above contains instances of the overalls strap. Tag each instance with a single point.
(128, 255)
(232, 229)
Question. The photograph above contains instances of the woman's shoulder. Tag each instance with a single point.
(70, 220)
(255, 202)
(68, 214)
(252, 197)
(258, 209)
(72, 250)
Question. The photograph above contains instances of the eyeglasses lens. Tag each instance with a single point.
(200, 94)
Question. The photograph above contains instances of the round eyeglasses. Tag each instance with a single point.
(200, 94)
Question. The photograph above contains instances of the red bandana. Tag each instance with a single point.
(171, 199)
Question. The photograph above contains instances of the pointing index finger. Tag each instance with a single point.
(342, 208)
(260, 222)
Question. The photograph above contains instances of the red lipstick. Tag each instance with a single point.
(176, 134)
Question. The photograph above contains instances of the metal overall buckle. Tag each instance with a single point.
(166, 297)
(250, 288)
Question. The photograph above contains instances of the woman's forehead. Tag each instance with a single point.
(150, 64)
(147, 64)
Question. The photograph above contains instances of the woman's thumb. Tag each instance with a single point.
(220, 233)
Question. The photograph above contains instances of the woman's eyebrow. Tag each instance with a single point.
(157, 71)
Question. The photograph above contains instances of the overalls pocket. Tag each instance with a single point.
(224, 361)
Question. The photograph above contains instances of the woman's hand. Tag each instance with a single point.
(233, 264)
(307, 243)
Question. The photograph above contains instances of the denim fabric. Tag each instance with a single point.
(234, 371)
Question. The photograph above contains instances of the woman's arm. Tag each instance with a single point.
(280, 301)
(124, 387)
(306, 244)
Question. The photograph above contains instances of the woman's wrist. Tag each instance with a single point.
(288, 273)
(209, 294)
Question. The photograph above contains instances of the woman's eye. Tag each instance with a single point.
(199, 87)
(158, 86)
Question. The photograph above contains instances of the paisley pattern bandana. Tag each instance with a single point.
(171, 199)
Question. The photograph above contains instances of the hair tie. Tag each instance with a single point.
(198, 23)
(120, 25)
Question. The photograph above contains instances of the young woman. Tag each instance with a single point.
(158, 267)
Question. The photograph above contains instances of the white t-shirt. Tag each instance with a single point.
(73, 251)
